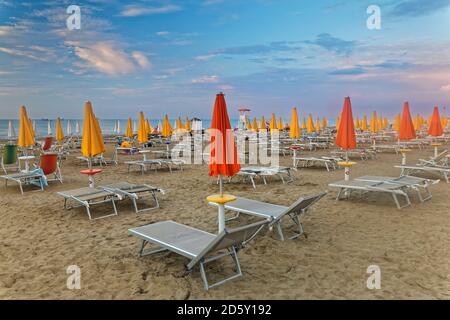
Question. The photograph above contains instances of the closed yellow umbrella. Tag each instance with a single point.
(357, 123)
(273, 122)
(338, 121)
(167, 129)
(30, 123)
(397, 121)
(129, 132)
(365, 125)
(317, 124)
(59, 130)
(179, 124)
(280, 124)
(304, 124)
(142, 131)
(374, 122)
(294, 129)
(310, 124)
(324, 123)
(262, 125)
(26, 139)
(255, 124)
(92, 140)
(249, 125)
(188, 125)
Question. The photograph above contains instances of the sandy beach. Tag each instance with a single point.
(39, 240)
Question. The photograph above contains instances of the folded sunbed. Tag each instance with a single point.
(275, 213)
(87, 197)
(409, 182)
(199, 246)
(346, 188)
(134, 192)
(411, 169)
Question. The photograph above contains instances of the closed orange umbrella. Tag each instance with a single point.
(148, 127)
(280, 124)
(129, 132)
(273, 123)
(142, 132)
(188, 125)
(310, 124)
(294, 129)
(59, 130)
(262, 125)
(255, 124)
(304, 124)
(365, 125)
(324, 123)
(167, 129)
(435, 128)
(407, 131)
(92, 141)
(346, 138)
(25, 135)
(317, 125)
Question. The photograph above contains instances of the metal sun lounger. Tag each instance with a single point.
(410, 169)
(275, 213)
(134, 192)
(440, 159)
(25, 178)
(329, 162)
(263, 172)
(411, 182)
(86, 197)
(347, 187)
(197, 245)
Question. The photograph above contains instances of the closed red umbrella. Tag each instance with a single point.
(346, 137)
(224, 158)
(407, 131)
(435, 128)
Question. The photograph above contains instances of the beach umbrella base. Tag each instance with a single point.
(221, 200)
(404, 152)
(346, 165)
(91, 173)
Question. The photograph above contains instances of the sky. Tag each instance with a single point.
(172, 57)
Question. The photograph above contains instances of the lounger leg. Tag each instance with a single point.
(253, 182)
(280, 231)
(143, 253)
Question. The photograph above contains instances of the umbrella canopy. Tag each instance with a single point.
(69, 127)
(180, 124)
(273, 122)
(365, 125)
(59, 130)
(294, 129)
(49, 128)
(374, 122)
(304, 124)
(435, 128)
(324, 123)
(26, 138)
(317, 124)
(77, 128)
(11, 131)
(346, 138)
(407, 131)
(92, 141)
(148, 128)
(249, 125)
(129, 132)
(224, 161)
(310, 124)
(167, 129)
(188, 125)
(262, 125)
(397, 122)
(280, 124)
(255, 124)
(142, 132)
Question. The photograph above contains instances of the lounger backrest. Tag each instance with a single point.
(300, 206)
(9, 154)
(47, 143)
(49, 163)
(440, 156)
(229, 238)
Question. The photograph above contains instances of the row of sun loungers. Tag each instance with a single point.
(256, 172)
(156, 164)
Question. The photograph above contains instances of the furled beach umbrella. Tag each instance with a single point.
(224, 157)
(280, 124)
(374, 123)
(249, 125)
(135, 127)
(317, 125)
(262, 125)
(92, 140)
(255, 124)
(365, 125)
(310, 124)
(59, 130)
(324, 123)
(129, 132)
(142, 133)
(11, 131)
(115, 127)
(346, 138)
(69, 128)
(159, 127)
(166, 130)
(33, 133)
(188, 125)
(435, 128)
(26, 139)
(118, 127)
(397, 122)
(407, 131)
(77, 128)
(294, 129)
(273, 123)
(179, 124)
(148, 129)
(304, 127)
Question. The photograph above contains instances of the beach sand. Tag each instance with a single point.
(39, 240)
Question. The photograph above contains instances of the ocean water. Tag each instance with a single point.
(107, 125)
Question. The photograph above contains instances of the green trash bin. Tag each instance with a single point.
(9, 154)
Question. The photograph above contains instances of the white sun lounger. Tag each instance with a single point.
(410, 182)
(199, 246)
(346, 188)
(410, 169)
(155, 164)
(439, 160)
(87, 197)
(262, 172)
(24, 178)
(275, 213)
(330, 163)
(134, 192)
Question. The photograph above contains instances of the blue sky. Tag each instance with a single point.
(169, 56)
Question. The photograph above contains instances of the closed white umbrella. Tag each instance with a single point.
(77, 128)
(159, 127)
(49, 128)
(118, 126)
(135, 126)
(11, 131)
(34, 126)
(69, 128)
(115, 127)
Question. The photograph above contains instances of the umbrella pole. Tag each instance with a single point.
(347, 168)
(91, 177)
(221, 207)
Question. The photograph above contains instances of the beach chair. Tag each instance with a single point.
(199, 246)
(9, 158)
(25, 178)
(47, 143)
(411, 169)
(440, 159)
(134, 192)
(49, 164)
(275, 213)
(87, 197)
(330, 163)
(263, 172)
(347, 188)
(410, 182)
